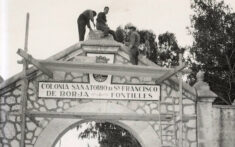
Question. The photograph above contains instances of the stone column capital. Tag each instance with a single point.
(204, 93)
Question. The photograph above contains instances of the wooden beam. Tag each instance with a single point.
(170, 73)
(24, 88)
(186, 118)
(35, 62)
(107, 69)
(180, 103)
(101, 116)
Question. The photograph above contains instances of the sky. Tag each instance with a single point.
(53, 26)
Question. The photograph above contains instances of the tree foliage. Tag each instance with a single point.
(213, 29)
(109, 135)
(164, 51)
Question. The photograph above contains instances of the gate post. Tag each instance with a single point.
(205, 98)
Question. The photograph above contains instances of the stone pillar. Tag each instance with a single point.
(205, 97)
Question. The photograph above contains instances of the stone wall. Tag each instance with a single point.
(215, 123)
(10, 102)
(224, 126)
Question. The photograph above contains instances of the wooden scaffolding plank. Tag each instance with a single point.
(180, 104)
(24, 88)
(100, 116)
(170, 73)
(35, 62)
(108, 69)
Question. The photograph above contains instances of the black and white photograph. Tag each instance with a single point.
(117, 73)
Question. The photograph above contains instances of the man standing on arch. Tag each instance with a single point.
(83, 21)
(101, 23)
(133, 44)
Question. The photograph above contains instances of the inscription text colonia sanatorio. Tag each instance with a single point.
(98, 91)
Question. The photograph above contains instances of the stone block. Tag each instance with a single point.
(50, 104)
(5, 107)
(41, 102)
(34, 140)
(9, 130)
(153, 105)
(154, 111)
(147, 109)
(163, 109)
(140, 111)
(10, 100)
(69, 77)
(187, 101)
(76, 74)
(60, 104)
(124, 103)
(133, 105)
(31, 91)
(66, 106)
(191, 123)
(15, 143)
(85, 79)
(4, 140)
(189, 109)
(12, 118)
(37, 132)
(15, 108)
(17, 92)
(18, 136)
(194, 144)
(32, 97)
(135, 80)
(36, 105)
(73, 103)
(29, 105)
(3, 116)
(31, 126)
(59, 75)
(42, 109)
(169, 107)
(29, 135)
(78, 80)
(18, 127)
(191, 135)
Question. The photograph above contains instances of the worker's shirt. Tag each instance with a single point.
(101, 18)
(134, 40)
(89, 15)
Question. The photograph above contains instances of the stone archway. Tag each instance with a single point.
(141, 130)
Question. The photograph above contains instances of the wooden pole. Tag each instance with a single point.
(24, 87)
(180, 104)
(160, 122)
(102, 116)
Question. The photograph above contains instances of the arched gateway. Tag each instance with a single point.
(128, 96)
(57, 127)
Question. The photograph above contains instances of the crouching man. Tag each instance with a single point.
(101, 23)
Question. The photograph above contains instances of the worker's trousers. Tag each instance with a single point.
(82, 22)
(134, 55)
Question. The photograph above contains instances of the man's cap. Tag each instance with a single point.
(130, 26)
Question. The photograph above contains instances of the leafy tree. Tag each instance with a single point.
(166, 54)
(109, 135)
(213, 29)
(168, 50)
(120, 34)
